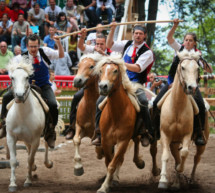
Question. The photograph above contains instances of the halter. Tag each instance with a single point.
(27, 91)
(180, 76)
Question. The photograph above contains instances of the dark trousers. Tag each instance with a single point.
(143, 114)
(199, 120)
(76, 99)
(47, 94)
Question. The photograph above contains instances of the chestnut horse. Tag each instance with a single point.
(85, 121)
(117, 122)
(177, 117)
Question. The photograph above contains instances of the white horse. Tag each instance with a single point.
(25, 120)
(177, 114)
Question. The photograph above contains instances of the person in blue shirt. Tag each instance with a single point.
(49, 39)
(24, 39)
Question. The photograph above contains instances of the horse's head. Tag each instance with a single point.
(188, 70)
(19, 73)
(85, 69)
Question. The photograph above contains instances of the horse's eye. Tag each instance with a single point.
(12, 78)
(182, 68)
(91, 67)
(115, 71)
(100, 71)
(27, 78)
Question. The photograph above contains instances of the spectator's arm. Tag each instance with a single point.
(9, 30)
(91, 5)
(1, 30)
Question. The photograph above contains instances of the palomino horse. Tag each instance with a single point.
(177, 117)
(25, 120)
(118, 118)
(85, 122)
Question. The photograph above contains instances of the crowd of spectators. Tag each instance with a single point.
(20, 18)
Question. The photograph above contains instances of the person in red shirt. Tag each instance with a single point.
(15, 12)
(3, 9)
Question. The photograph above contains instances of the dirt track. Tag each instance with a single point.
(60, 178)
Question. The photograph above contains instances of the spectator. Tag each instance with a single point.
(14, 13)
(3, 9)
(42, 3)
(5, 56)
(17, 50)
(51, 13)
(23, 6)
(62, 25)
(89, 6)
(61, 66)
(31, 3)
(5, 29)
(119, 12)
(53, 84)
(91, 38)
(73, 41)
(48, 40)
(24, 40)
(72, 15)
(105, 6)
(36, 17)
(19, 30)
(155, 83)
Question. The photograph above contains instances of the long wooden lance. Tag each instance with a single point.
(125, 23)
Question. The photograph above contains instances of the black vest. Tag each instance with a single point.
(42, 54)
(143, 75)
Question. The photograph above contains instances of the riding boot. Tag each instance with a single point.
(198, 130)
(71, 132)
(97, 140)
(50, 135)
(2, 129)
(147, 134)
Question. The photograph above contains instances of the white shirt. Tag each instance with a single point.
(143, 61)
(108, 4)
(50, 53)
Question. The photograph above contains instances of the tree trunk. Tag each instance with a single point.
(152, 15)
(141, 10)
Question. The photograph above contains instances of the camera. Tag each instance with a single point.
(164, 80)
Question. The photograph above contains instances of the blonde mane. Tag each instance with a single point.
(129, 86)
(95, 56)
(24, 63)
(189, 54)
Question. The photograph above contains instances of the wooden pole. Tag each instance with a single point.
(125, 23)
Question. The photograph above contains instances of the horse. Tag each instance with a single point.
(118, 118)
(25, 120)
(85, 121)
(177, 116)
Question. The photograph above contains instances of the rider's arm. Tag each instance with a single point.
(110, 41)
(81, 44)
(172, 31)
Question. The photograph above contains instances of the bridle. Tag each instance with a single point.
(27, 91)
(180, 75)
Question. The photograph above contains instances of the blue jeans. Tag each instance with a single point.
(108, 11)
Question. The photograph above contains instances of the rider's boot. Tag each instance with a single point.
(198, 129)
(2, 129)
(97, 140)
(71, 132)
(50, 136)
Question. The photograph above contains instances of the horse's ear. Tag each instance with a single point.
(179, 55)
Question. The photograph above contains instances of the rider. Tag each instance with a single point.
(40, 60)
(138, 59)
(190, 43)
(100, 47)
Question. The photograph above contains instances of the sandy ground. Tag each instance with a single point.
(60, 179)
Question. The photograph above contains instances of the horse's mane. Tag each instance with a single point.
(25, 63)
(189, 54)
(95, 56)
(129, 86)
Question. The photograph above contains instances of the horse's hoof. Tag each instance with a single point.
(140, 164)
(156, 172)
(175, 188)
(12, 189)
(162, 185)
(114, 183)
(49, 164)
(34, 168)
(102, 191)
(79, 171)
(26, 185)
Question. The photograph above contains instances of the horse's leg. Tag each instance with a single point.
(28, 146)
(115, 181)
(137, 159)
(174, 147)
(163, 182)
(115, 162)
(32, 151)
(153, 151)
(11, 142)
(47, 162)
(184, 153)
(78, 168)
